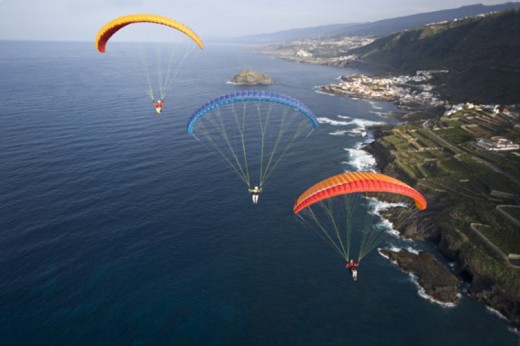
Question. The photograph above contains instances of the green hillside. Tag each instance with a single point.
(481, 53)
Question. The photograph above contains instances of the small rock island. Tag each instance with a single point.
(251, 78)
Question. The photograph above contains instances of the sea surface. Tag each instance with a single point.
(119, 228)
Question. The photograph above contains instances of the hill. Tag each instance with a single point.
(393, 25)
(377, 28)
(481, 54)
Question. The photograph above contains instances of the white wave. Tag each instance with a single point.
(380, 206)
(388, 226)
(393, 248)
(385, 256)
(413, 278)
(323, 120)
(318, 91)
(422, 293)
(408, 248)
(363, 123)
(338, 133)
(412, 250)
(360, 129)
(361, 160)
(495, 312)
(514, 331)
(384, 115)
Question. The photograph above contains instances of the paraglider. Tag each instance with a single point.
(352, 267)
(158, 71)
(158, 106)
(328, 208)
(255, 194)
(110, 28)
(252, 132)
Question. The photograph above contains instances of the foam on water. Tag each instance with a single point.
(420, 290)
(360, 160)
(339, 133)
(422, 293)
(332, 122)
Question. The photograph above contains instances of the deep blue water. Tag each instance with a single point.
(117, 227)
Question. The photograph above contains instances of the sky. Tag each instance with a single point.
(80, 20)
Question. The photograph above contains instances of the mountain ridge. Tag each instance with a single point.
(377, 28)
(481, 54)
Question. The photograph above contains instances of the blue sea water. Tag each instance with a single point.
(117, 227)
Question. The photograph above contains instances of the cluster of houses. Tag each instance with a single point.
(497, 143)
(404, 90)
(410, 90)
(491, 113)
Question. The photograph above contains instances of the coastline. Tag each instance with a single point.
(434, 281)
(362, 160)
(487, 277)
(472, 265)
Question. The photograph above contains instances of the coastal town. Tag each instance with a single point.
(323, 51)
(406, 91)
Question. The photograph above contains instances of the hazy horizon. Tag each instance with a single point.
(68, 20)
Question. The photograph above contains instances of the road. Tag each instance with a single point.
(427, 126)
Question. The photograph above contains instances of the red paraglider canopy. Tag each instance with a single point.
(352, 182)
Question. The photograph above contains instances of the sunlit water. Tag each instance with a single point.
(117, 227)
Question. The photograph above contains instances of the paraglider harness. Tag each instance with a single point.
(255, 191)
(352, 266)
(158, 106)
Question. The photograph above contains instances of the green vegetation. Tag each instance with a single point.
(455, 135)
(481, 54)
(446, 163)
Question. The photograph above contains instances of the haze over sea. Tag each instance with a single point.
(117, 227)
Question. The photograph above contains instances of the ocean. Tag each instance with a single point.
(117, 227)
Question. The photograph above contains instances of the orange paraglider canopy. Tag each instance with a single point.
(114, 25)
(352, 182)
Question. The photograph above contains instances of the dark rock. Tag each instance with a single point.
(437, 280)
(482, 268)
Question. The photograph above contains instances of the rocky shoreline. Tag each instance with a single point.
(437, 281)
(473, 265)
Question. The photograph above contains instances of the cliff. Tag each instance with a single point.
(436, 280)
(481, 54)
(449, 223)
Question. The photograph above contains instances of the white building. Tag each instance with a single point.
(497, 143)
(303, 54)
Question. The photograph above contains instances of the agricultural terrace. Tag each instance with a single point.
(440, 156)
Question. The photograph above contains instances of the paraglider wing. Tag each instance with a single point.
(252, 96)
(352, 182)
(115, 25)
(252, 131)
